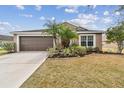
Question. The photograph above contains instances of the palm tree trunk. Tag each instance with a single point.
(65, 43)
(55, 42)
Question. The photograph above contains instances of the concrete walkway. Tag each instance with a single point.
(17, 67)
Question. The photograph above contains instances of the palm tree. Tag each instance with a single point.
(52, 30)
(66, 35)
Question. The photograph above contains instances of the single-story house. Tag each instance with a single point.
(39, 40)
(5, 38)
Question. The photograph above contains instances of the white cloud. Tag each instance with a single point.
(53, 18)
(6, 27)
(47, 18)
(1, 28)
(27, 15)
(38, 7)
(107, 20)
(69, 8)
(16, 27)
(91, 21)
(83, 24)
(96, 12)
(5, 24)
(85, 20)
(42, 18)
(117, 13)
(21, 7)
(106, 13)
(88, 18)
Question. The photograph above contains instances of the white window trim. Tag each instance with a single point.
(94, 38)
(18, 41)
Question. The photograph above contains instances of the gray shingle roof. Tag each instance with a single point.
(78, 28)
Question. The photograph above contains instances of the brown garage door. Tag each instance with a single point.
(35, 43)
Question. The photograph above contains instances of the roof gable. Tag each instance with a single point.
(74, 27)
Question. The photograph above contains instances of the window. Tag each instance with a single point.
(87, 41)
(83, 41)
(90, 41)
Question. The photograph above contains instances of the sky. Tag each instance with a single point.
(19, 17)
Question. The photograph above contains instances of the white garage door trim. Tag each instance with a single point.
(18, 40)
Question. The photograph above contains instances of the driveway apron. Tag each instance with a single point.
(17, 67)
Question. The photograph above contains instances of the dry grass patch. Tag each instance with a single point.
(95, 70)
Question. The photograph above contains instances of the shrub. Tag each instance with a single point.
(78, 50)
(74, 44)
(91, 49)
(9, 46)
(96, 49)
(53, 52)
(58, 52)
(68, 52)
(59, 46)
(72, 51)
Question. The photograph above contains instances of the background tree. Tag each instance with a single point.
(120, 8)
(116, 35)
(66, 35)
(120, 17)
(52, 29)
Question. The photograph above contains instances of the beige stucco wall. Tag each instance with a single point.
(99, 41)
(15, 41)
(15, 38)
(108, 47)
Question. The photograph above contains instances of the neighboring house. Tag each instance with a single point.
(38, 40)
(5, 38)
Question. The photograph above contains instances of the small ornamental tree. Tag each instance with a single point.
(52, 29)
(116, 35)
(66, 35)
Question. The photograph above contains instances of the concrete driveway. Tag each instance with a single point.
(17, 67)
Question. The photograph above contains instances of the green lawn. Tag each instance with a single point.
(2, 51)
(94, 70)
